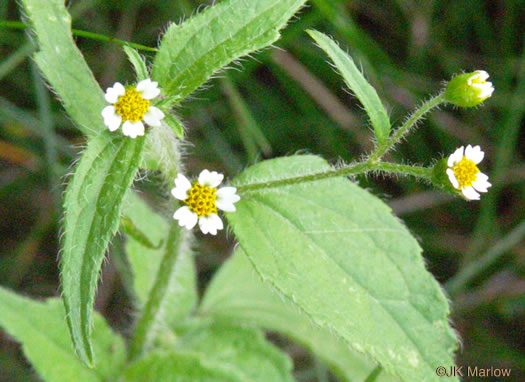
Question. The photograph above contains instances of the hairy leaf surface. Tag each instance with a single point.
(64, 66)
(191, 52)
(336, 252)
(357, 83)
(92, 209)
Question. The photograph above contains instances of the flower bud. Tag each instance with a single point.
(469, 89)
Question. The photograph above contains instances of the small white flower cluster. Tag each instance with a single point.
(201, 200)
(131, 106)
(464, 174)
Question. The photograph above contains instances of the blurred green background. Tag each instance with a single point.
(286, 100)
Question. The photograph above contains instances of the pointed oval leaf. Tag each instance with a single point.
(337, 253)
(134, 57)
(63, 65)
(42, 330)
(357, 83)
(92, 206)
(191, 52)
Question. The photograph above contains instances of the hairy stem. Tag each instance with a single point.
(145, 326)
(374, 160)
(406, 127)
(352, 169)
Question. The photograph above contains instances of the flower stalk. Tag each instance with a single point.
(373, 163)
(410, 123)
(350, 170)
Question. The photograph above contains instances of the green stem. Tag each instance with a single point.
(406, 127)
(145, 326)
(352, 169)
(80, 33)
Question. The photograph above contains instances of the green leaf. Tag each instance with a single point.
(337, 253)
(145, 262)
(137, 61)
(175, 367)
(175, 125)
(357, 83)
(191, 52)
(92, 209)
(237, 294)
(64, 66)
(242, 350)
(41, 328)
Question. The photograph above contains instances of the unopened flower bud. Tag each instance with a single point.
(469, 89)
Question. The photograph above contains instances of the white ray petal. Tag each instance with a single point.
(479, 75)
(468, 151)
(481, 177)
(133, 129)
(210, 179)
(114, 92)
(481, 183)
(455, 157)
(210, 224)
(226, 196)
(153, 116)
(470, 193)
(452, 178)
(148, 89)
(182, 186)
(111, 119)
(475, 155)
(486, 90)
(186, 217)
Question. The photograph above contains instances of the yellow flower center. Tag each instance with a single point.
(131, 106)
(477, 80)
(201, 200)
(466, 172)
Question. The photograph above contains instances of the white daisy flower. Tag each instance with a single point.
(201, 199)
(130, 107)
(464, 174)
